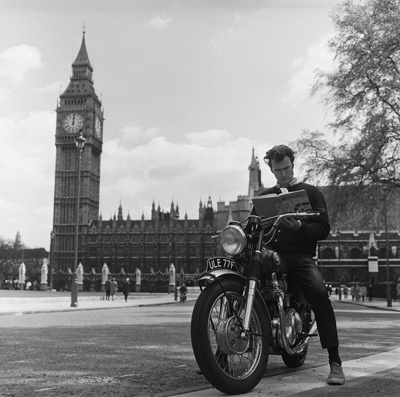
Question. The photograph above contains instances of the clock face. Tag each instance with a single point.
(97, 127)
(73, 122)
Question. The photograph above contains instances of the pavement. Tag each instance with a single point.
(374, 375)
(29, 302)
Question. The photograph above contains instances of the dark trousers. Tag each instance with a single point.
(304, 272)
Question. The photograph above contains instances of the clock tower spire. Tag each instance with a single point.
(79, 110)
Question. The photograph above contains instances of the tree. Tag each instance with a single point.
(363, 90)
(8, 261)
(11, 259)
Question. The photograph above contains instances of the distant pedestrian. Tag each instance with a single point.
(398, 290)
(113, 288)
(363, 292)
(125, 289)
(107, 286)
(370, 292)
(357, 291)
(352, 292)
(183, 292)
(345, 292)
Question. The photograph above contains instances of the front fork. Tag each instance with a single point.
(251, 293)
(254, 275)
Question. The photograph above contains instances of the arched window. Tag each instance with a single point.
(382, 253)
(355, 253)
(328, 253)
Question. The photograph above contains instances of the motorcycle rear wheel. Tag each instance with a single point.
(295, 360)
(230, 363)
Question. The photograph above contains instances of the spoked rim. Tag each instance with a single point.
(236, 355)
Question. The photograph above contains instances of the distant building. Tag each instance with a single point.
(151, 245)
(79, 110)
(121, 243)
(240, 209)
(18, 241)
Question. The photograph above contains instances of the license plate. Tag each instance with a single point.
(221, 263)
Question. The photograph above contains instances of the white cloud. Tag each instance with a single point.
(3, 94)
(209, 138)
(53, 87)
(160, 22)
(205, 163)
(134, 135)
(15, 62)
(228, 37)
(317, 57)
(27, 178)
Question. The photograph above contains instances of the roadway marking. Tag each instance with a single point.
(45, 389)
(298, 381)
(370, 311)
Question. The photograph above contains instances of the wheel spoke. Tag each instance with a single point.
(236, 365)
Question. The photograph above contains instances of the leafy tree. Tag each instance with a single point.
(11, 259)
(8, 260)
(363, 92)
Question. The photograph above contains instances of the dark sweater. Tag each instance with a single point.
(304, 240)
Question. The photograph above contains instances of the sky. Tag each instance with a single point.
(189, 88)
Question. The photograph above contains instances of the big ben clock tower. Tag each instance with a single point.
(79, 111)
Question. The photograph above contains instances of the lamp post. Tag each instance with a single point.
(80, 143)
(388, 289)
(52, 236)
(340, 280)
(175, 254)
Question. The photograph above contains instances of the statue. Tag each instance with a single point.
(43, 276)
(138, 274)
(21, 275)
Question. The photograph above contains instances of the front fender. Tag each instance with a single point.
(209, 277)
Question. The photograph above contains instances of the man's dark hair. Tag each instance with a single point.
(278, 153)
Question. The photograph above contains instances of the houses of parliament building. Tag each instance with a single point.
(122, 243)
(357, 250)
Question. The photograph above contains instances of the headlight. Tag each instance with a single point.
(233, 239)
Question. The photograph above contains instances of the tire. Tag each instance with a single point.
(295, 360)
(231, 364)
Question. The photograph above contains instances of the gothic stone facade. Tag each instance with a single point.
(150, 245)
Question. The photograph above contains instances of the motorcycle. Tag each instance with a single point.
(247, 310)
(182, 296)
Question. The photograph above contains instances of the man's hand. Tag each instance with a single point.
(291, 223)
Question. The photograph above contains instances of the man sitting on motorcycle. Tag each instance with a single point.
(296, 241)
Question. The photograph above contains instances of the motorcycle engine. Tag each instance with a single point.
(293, 326)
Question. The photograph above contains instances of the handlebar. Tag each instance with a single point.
(265, 222)
(297, 215)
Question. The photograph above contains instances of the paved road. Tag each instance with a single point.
(372, 371)
(369, 375)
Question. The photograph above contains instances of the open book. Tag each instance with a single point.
(273, 205)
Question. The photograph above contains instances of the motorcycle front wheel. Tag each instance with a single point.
(232, 362)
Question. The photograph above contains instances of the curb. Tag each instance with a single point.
(75, 309)
(370, 306)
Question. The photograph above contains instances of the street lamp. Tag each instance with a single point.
(338, 258)
(388, 289)
(52, 236)
(80, 143)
